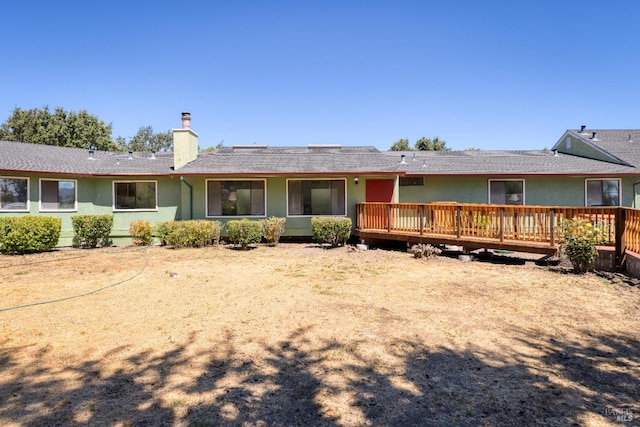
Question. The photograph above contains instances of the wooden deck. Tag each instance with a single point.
(509, 227)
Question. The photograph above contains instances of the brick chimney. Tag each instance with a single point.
(185, 143)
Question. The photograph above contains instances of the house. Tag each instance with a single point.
(256, 181)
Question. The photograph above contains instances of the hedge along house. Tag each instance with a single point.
(257, 181)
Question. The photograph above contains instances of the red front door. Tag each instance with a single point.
(380, 190)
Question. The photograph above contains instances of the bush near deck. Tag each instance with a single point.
(335, 231)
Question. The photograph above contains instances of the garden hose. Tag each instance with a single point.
(144, 266)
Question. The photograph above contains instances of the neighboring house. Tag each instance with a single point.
(255, 181)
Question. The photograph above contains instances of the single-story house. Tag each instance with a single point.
(584, 168)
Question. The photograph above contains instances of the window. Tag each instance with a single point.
(138, 195)
(406, 181)
(57, 195)
(236, 198)
(14, 194)
(603, 192)
(508, 192)
(316, 197)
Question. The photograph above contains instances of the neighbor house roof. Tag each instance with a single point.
(613, 145)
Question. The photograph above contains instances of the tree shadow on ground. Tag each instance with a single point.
(296, 381)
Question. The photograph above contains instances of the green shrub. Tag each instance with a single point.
(91, 230)
(272, 229)
(244, 232)
(335, 231)
(29, 234)
(141, 232)
(162, 230)
(192, 233)
(579, 239)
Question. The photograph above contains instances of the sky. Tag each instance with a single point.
(493, 75)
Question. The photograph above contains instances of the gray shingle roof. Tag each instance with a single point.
(22, 157)
(542, 162)
(290, 160)
(261, 160)
(621, 143)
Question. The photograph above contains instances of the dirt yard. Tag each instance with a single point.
(300, 335)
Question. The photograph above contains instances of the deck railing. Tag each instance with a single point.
(498, 223)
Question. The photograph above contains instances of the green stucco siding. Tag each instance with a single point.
(95, 196)
(539, 190)
(276, 199)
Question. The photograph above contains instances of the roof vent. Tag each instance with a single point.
(402, 160)
(555, 153)
(630, 140)
(130, 155)
(92, 155)
(424, 163)
(593, 135)
(153, 155)
(582, 128)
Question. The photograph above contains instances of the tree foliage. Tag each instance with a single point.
(77, 129)
(401, 145)
(147, 140)
(59, 127)
(422, 144)
(428, 144)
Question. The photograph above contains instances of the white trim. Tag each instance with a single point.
(316, 179)
(489, 181)
(75, 197)
(28, 203)
(206, 197)
(586, 180)
(113, 194)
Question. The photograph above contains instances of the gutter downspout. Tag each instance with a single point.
(190, 196)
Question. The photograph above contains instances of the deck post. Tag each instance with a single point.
(552, 226)
(620, 240)
(421, 213)
(388, 217)
(458, 221)
(501, 224)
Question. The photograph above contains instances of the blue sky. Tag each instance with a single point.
(484, 74)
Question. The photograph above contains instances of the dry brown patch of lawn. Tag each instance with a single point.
(300, 335)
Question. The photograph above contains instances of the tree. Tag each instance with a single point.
(401, 145)
(60, 127)
(147, 140)
(427, 144)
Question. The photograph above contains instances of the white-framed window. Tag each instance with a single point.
(506, 191)
(14, 193)
(236, 198)
(602, 192)
(58, 195)
(311, 197)
(135, 195)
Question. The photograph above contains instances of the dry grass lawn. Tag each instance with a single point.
(300, 335)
